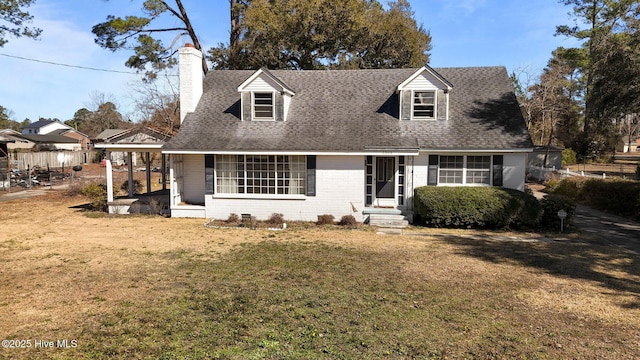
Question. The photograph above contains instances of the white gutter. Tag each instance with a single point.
(380, 152)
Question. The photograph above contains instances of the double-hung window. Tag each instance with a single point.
(261, 174)
(479, 170)
(469, 170)
(424, 104)
(263, 106)
(451, 169)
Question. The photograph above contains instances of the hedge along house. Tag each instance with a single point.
(340, 142)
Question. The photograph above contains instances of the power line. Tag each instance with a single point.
(71, 66)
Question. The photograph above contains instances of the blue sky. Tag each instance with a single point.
(517, 34)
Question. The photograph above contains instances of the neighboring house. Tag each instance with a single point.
(54, 127)
(53, 142)
(43, 127)
(628, 146)
(76, 135)
(340, 142)
(546, 156)
(17, 140)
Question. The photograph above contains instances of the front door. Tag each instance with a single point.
(385, 177)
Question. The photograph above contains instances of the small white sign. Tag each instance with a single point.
(562, 214)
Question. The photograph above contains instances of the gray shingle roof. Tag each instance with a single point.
(357, 110)
(49, 138)
(38, 124)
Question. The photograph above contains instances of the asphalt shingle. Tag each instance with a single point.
(357, 110)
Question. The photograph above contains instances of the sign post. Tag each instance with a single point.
(562, 214)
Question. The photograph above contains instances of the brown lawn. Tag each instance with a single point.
(152, 287)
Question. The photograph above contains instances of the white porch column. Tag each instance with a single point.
(146, 160)
(109, 171)
(164, 172)
(173, 188)
(130, 171)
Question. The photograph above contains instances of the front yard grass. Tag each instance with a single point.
(158, 288)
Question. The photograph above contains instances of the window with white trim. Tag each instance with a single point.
(451, 170)
(478, 170)
(464, 169)
(261, 174)
(263, 106)
(424, 104)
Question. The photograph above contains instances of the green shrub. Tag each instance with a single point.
(325, 219)
(568, 157)
(618, 197)
(530, 213)
(551, 204)
(484, 207)
(569, 187)
(97, 194)
(349, 221)
(551, 184)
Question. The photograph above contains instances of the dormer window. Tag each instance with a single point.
(424, 96)
(424, 104)
(263, 106)
(264, 97)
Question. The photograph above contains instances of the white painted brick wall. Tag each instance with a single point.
(513, 170)
(339, 185)
(190, 64)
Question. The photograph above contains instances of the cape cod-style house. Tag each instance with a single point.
(340, 142)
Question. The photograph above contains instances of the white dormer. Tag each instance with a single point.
(264, 97)
(424, 96)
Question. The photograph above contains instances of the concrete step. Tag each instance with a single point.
(391, 224)
(386, 217)
(388, 221)
(382, 211)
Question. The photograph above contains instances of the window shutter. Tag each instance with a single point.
(246, 106)
(311, 175)
(279, 106)
(405, 104)
(209, 180)
(498, 161)
(442, 105)
(432, 173)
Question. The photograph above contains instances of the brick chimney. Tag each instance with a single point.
(190, 62)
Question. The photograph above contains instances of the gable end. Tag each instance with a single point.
(424, 96)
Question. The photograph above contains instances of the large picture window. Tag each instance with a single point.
(261, 174)
(424, 104)
(459, 170)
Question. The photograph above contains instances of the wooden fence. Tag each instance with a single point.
(51, 159)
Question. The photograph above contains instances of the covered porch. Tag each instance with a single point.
(147, 200)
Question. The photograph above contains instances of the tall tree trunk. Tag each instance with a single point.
(192, 34)
(587, 102)
(236, 8)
